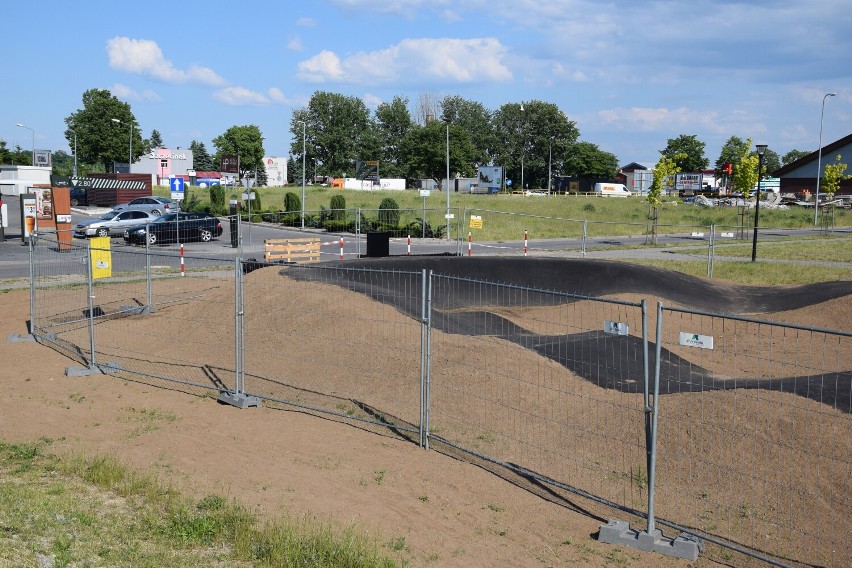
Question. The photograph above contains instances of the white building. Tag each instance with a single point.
(14, 180)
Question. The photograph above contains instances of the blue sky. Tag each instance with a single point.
(631, 74)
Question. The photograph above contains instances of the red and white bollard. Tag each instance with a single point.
(469, 241)
(409, 245)
(181, 260)
(341, 248)
(525, 242)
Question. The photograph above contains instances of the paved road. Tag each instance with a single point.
(14, 257)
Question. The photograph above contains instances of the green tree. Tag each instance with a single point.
(531, 132)
(771, 161)
(745, 171)
(389, 213)
(834, 174)
(690, 151)
(156, 140)
(338, 207)
(665, 170)
(793, 155)
(62, 163)
(393, 122)
(105, 127)
(730, 153)
(585, 158)
(16, 157)
(476, 120)
(201, 159)
(338, 132)
(243, 141)
(425, 152)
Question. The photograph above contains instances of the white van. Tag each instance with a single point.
(611, 190)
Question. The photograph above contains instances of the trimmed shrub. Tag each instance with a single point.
(338, 207)
(389, 213)
(292, 202)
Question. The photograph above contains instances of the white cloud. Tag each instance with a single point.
(144, 57)
(325, 66)
(240, 96)
(447, 59)
(126, 93)
(295, 44)
(277, 96)
(371, 100)
(306, 22)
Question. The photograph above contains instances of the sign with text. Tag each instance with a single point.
(178, 187)
(475, 221)
(230, 164)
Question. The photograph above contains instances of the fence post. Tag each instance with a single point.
(91, 309)
(31, 246)
(652, 423)
(239, 398)
(585, 233)
(148, 287)
(428, 313)
(358, 232)
(711, 252)
(423, 323)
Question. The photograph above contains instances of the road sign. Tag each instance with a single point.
(177, 187)
(425, 193)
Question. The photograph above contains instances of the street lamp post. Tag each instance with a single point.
(33, 133)
(130, 157)
(523, 150)
(75, 152)
(448, 181)
(761, 148)
(303, 172)
(819, 158)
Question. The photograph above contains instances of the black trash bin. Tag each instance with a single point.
(234, 225)
(378, 244)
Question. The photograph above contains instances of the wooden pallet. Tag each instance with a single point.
(291, 250)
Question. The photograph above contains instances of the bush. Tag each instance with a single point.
(389, 213)
(292, 202)
(338, 207)
(333, 226)
(217, 197)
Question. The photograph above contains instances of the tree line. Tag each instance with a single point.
(532, 140)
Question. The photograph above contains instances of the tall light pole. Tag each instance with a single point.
(448, 181)
(761, 148)
(549, 163)
(523, 150)
(303, 172)
(819, 158)
(75, 151)
(130, 157)
(33, 133)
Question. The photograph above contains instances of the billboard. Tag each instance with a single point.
(490, 177)
(41, 158)
(276, 171)
(230, 164)
(367, 170)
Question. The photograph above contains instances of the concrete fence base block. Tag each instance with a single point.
(20, 338)
(239, 400)
(619, 532)
(108, 369)
(136, 310)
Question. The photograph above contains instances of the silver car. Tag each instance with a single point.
(111, 223)
(153, 204)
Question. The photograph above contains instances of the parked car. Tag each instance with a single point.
(111, 223)
(164, 229)
(78, 196)
(153, 204)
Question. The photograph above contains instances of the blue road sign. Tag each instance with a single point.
(177, 188)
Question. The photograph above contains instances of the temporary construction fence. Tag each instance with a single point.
(721, 431)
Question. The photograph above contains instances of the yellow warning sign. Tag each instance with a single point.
(101, 257)
(475, 222)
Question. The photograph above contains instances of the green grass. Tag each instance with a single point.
(754, 273)
(505, 216)
(78, 511)
(824, 250)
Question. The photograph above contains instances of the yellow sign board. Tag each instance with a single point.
(101, 257)
(475, 222)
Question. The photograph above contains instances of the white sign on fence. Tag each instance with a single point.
(695, 340)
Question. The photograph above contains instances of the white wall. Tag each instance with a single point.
(366, 185)
(14, 180)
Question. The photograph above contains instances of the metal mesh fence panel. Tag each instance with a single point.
(336, 340)
(155, 317)
(755, 435)
(548, 382)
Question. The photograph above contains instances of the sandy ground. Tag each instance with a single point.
(279, 460)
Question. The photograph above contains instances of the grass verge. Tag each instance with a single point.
(79, 511)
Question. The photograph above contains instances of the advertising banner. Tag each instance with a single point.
(230, 164)
(29, 210)
(101, 257)
(491, 177)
